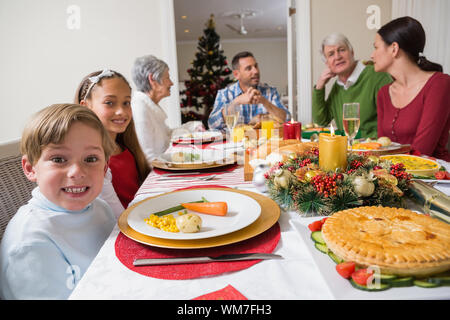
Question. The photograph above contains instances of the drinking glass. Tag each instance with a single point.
(266, 126)
(231, 114)
(351, 120)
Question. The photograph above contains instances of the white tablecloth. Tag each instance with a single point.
(295, 277)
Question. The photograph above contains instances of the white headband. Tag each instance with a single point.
(96, 79)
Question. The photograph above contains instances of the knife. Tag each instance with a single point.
(178, 174)
(226, 257)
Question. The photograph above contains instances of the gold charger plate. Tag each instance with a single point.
(270, 213)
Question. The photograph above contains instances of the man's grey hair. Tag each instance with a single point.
(145, 65)
(335, 39)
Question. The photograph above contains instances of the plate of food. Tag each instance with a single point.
(417, 166)
(270, 213)
(194, 214)
(380, 253)
(382, 144)
(191, 158)
(198, 137)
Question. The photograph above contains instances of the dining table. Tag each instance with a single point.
(301, 274)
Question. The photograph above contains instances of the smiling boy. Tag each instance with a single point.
(51, 240)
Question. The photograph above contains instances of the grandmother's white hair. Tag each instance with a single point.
(335, 39)
(145, 65)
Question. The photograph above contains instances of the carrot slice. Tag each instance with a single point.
(219, 208)
(367, 145)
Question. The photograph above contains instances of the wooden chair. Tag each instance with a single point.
(15, 188)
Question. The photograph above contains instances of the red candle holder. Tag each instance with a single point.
(292, 130)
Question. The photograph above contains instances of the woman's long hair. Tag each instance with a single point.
(410, 36)
(128, 138)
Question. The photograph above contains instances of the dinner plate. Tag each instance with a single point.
(270, 213)
(198, 137)
(342, 289)
(391, 147)
(193, 159)
(242, 211)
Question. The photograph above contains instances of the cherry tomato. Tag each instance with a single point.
(346, 269)
(315, 226)
(440, 175)
(362, 276)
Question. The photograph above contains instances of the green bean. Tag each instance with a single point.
(176, 208)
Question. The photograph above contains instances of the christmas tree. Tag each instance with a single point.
(208, 74)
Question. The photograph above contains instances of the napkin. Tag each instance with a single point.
(227, 293)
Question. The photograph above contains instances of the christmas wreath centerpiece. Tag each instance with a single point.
(299, 184)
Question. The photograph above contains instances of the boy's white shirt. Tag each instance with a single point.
(45, 249)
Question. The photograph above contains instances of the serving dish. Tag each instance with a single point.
(417, 166)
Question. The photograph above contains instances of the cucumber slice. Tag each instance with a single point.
(381, 287)
(385, 278)
(425, 284)
(321, 247)
(335, 258)
(440, 280)
(402, 282)
(316, 236)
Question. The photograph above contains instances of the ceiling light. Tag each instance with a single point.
(183, 17)
(187, 30)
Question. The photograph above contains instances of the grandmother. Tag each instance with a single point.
(152, 80)
(356, 82)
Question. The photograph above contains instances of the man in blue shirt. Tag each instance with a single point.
(253, 98)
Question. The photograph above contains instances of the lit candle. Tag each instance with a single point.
(292, 130)
(332, 151)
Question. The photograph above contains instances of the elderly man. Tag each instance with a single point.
(253, 98)
(356, 82)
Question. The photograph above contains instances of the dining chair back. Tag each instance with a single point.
(15, 188)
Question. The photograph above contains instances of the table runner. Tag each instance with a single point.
(232, 176)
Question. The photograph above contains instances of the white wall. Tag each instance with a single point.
(271, 55)
(42, 61)
(348, 17)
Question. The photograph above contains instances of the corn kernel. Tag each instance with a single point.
(165, 223)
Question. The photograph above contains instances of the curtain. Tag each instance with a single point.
(434, 15)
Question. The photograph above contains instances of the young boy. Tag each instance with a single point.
(51, 241)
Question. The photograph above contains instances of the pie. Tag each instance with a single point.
(396, 240)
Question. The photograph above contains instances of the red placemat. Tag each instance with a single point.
(127, 250)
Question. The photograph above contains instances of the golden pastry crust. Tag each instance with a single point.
(398, 241)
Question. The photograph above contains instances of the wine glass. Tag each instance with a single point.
(350, 120)
(231, 113)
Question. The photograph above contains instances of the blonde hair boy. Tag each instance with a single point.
(50, 242)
